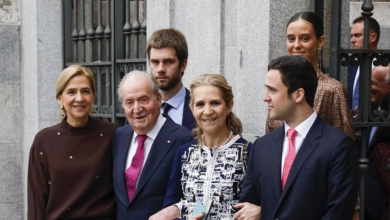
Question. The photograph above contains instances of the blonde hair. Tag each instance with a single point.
(71, 71)
(232, 122)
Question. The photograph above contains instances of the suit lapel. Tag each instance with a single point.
(307, 148)
(124, 146)
(188, 118)
(161, 146)
(275, 160)
(351, 79)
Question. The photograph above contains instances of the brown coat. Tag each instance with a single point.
(70, 172)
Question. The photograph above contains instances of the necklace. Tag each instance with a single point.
(197, 154)
(228, 139)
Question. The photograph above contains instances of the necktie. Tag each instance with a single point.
(355, 98)
(372, 133)
(291, 133)
(166, 108)
(131, 174)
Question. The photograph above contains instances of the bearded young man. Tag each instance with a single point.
(168, 53)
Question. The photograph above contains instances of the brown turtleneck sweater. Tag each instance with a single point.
(70, 172)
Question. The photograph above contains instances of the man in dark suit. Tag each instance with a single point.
(357, 39)
(373, 198)
(144, 151)
(306, 169)
(167, 53)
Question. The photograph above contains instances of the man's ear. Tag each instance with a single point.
(299, 95)
(159, 98)
(183, 67)
(373, 37)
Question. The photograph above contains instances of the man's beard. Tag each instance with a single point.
(171, 83)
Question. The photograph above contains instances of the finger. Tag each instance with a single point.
(237, 215)
(198, 216)
(239, 205)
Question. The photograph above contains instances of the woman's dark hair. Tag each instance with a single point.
(313, 19)
(317, 25)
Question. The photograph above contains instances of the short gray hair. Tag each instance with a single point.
(155, 87)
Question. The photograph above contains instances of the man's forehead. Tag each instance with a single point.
(165, 51)
(137, 84)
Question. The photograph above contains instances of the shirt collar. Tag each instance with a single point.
(152, 134)
(304, 127)
(176, 100)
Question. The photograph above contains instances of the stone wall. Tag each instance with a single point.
(234, 38)
(41, 55)
(226, 37)
(237, 39)
(11, 181)
(381, 14)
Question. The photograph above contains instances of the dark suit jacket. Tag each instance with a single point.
(352, 70)
(152, 184)
(351, 79)
(322, 183)
(188, 118)
(372, 187)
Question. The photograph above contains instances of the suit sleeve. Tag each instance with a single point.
(174, 190)
(250, 193)
(37, 186)
(343, 180)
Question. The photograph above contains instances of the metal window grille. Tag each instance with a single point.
(366, 117)
(109, 37)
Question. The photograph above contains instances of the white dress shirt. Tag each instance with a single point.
(302, 130)
(152, 134)
(177, 103)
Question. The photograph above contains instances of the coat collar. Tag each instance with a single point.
(308, 146)
(160, 147)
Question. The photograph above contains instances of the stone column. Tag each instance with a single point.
(11, 187)
(41, 61)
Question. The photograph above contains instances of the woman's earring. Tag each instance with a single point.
(91, 113)
(62, 112)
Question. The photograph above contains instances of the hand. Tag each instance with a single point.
(169, 213)
(247, 211)
(356, 112)
(198, 216)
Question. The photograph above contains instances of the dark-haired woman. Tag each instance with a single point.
(70, 164)
(305, 38)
